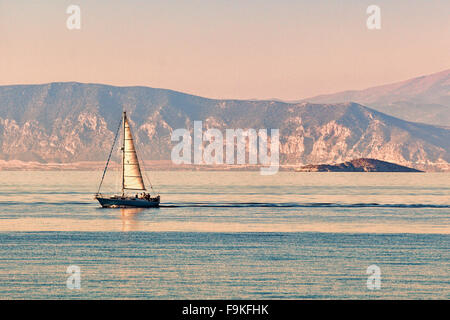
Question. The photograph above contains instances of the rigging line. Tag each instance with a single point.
(151, 185)
(138, 147)
(149, 181)
(139, 150)
(109, 157)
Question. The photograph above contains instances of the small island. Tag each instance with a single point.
(358, 165)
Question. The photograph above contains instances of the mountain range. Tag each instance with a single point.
(423, 99)
(71, 122)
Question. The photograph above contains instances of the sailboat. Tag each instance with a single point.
(133, 189)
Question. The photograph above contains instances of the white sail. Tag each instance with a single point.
(132, 177)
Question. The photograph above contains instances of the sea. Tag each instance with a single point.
(227, 235)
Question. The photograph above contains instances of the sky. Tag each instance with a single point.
(241, 49)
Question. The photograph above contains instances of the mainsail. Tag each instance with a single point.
(132, 177)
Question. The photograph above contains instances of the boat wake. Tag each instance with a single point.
(243, 204)
(44, 203)
(295, 205)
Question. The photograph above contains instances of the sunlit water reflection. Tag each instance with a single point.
(228, 235)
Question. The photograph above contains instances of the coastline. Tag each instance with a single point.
(167, 165)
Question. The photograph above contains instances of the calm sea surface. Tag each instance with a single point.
(228, 235)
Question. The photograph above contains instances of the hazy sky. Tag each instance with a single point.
(224, 48)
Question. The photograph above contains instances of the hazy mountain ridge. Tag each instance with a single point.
(422, 99)
(71, 122)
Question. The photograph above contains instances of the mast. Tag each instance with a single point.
(123, 154)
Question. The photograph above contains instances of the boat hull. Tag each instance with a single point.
(118, 202)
